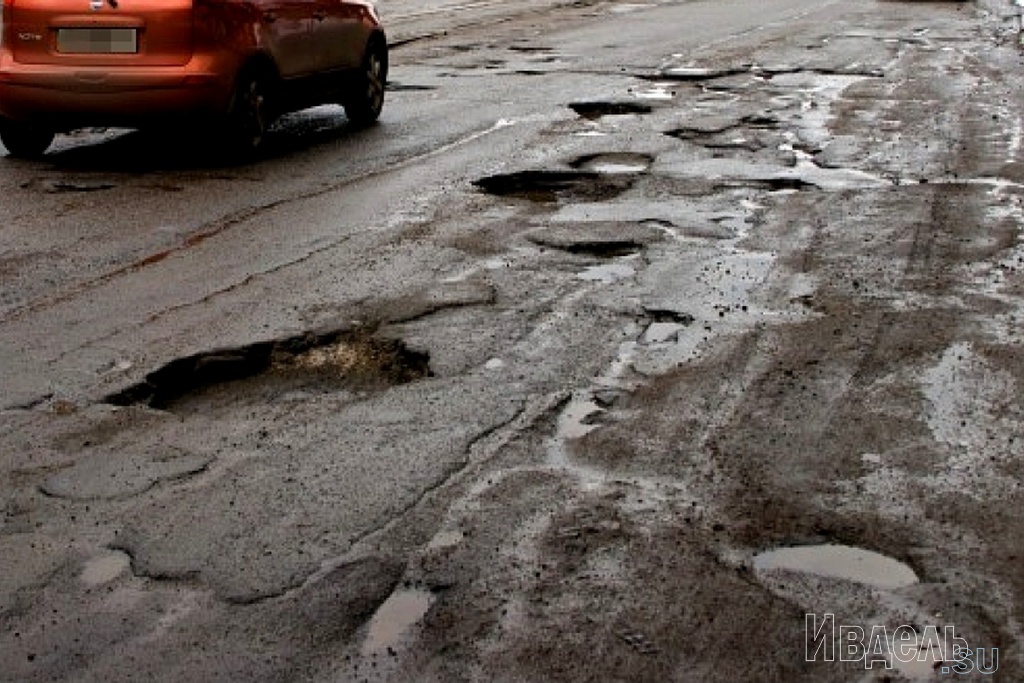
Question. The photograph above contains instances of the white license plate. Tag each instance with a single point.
(97, 41)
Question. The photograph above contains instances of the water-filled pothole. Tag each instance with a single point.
(551, 186)
(839, 562)
(331, 360)
(595, 110)
(603, 249)
(776, 184)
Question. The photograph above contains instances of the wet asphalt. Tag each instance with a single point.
(632, 335)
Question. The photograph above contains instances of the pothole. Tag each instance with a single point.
(325, 362)
(665, 315)
(613, 163)
(598, 239)
(596, 110)
(707, 128)
(839, 562)
(531, 48)
(602, 248)
(777, 184)
(698, 73)
(784, 184)
(394, 86)
(67, 186)
(551, 186)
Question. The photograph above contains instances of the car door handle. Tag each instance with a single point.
(269, 17)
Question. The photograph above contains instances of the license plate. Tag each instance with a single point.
(97, 41)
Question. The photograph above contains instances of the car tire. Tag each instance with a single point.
(24, 140)
(365, 99)
(249, 115)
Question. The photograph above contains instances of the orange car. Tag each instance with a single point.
(65, 64)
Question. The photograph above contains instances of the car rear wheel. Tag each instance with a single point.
(24, 140)
(249, 116)
(364, 102)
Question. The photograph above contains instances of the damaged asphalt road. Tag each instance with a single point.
(632, 335)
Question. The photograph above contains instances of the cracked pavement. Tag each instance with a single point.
(540, 378)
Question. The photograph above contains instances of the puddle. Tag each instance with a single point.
(662, 333)
(662, 93)
(806, 175)
(393, 620)
(614, 163)
(608, 274)
(446, 539)
(105, 568)
(595, 110)
(331, 360)
(836, 178)
(629, 7)
(839, 562)
(572, 423)
(821, 93)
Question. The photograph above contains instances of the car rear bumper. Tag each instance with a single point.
(68, 98)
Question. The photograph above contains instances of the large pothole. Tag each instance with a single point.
(310, 362)
(597, 239)
(596, 110)
(594, 177)
(552, 186)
